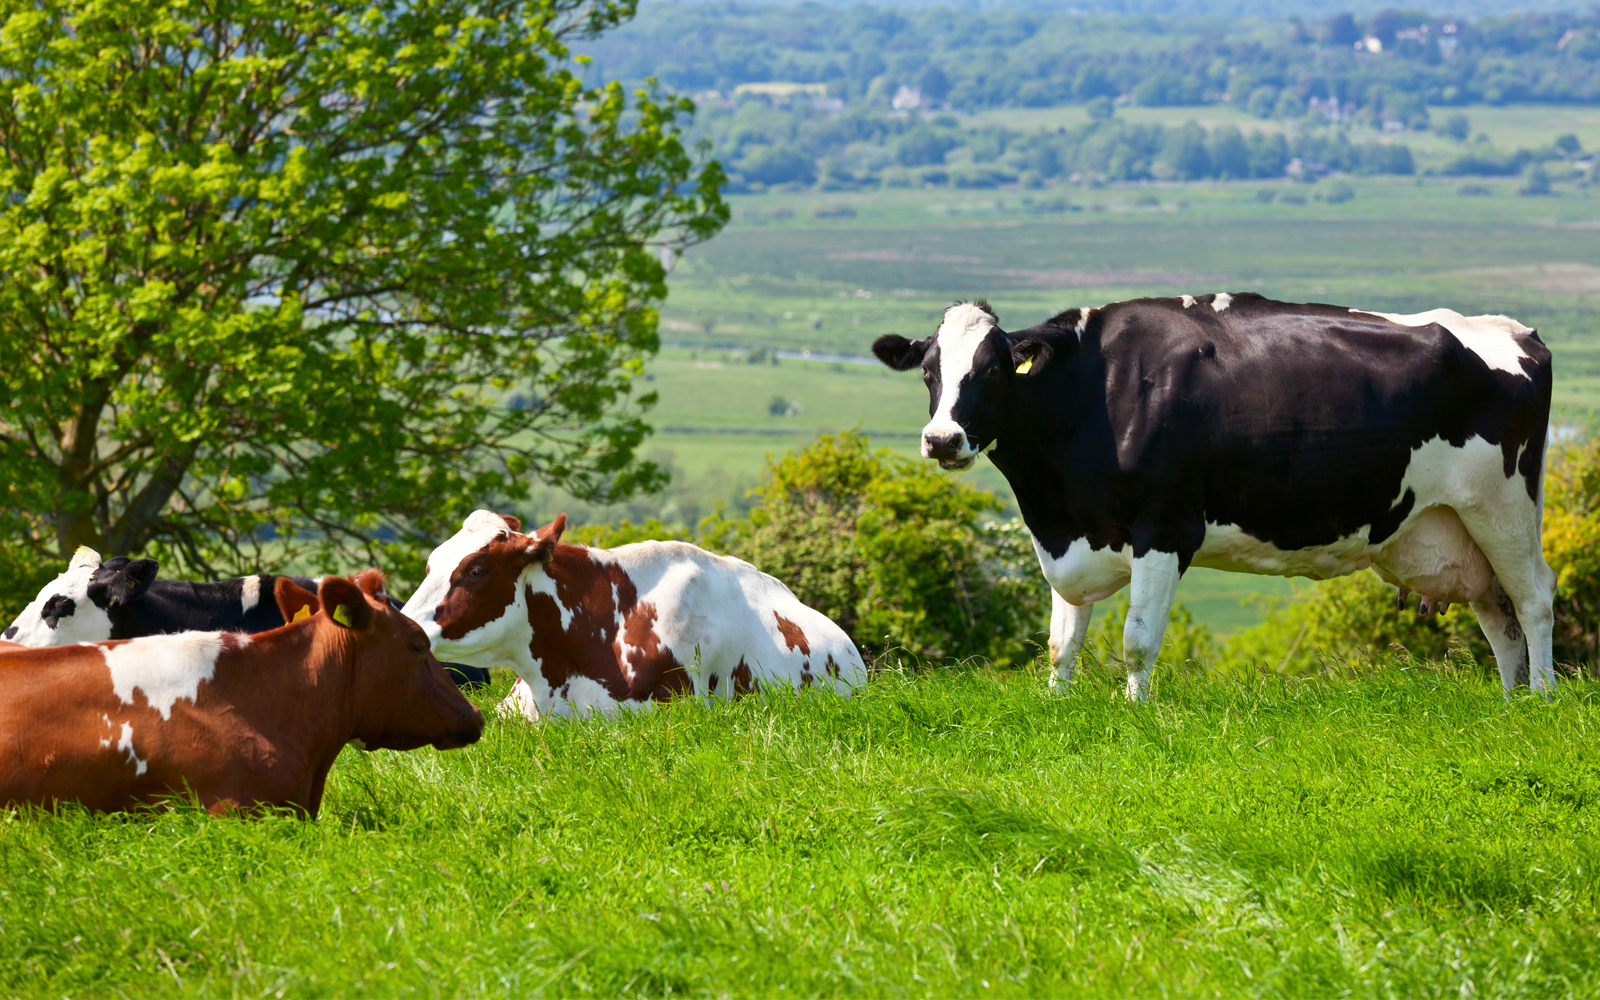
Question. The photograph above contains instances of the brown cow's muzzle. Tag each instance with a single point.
(470, 730)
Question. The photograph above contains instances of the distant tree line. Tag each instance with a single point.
(766, 146)
(1390, 66)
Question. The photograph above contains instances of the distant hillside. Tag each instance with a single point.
(975, 59)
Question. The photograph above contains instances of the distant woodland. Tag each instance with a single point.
(808, 95)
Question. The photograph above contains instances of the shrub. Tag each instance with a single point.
(1351, 620)
(1572, 547)
(893, 550)
(1335, 192)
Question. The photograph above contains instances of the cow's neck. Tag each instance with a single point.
(1045, 451)
(298, 683)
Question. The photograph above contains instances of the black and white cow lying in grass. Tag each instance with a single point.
(121, 598)
(1234, 432)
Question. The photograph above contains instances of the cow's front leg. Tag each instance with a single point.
(1150, 592)
(1069, 627)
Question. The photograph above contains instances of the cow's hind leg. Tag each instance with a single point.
(1516, 553)
(1498, 619)
(1150, 593)
(1069, 627)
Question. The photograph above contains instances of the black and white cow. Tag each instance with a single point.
(1235, 432)
(121, 598)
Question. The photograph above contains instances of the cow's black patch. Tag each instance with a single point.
(1294, 422)
(59, 606)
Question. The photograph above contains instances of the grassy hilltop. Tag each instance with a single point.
(955, 833)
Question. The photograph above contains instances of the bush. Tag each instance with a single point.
(1536, 183)
(1572, 547)
(1335, 192)
(894, 551)
(1351, 620)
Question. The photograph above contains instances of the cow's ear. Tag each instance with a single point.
(294, 601)
(1030, 356)
(372, 581)
(514, 523)
(344, 602)
(545, 539)
(899, 353)
(120, 582)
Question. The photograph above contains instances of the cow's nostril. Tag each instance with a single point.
(11, 633)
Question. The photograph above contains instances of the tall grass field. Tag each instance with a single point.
(1403, 832)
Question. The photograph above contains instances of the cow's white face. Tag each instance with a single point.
(966, 366)
(472, 597)
(63, 614)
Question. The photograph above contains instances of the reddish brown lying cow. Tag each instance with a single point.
(591, 629)
(233, 720)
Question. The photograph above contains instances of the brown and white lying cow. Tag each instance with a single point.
(591, 629)
(232, 719)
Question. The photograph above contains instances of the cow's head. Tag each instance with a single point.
(968, 365)
(400, 696)
(473, 591)
(74, 606)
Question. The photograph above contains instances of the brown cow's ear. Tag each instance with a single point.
(345, 603)
(514, 523)
(371, 581)
(294, 601)
(544, 546)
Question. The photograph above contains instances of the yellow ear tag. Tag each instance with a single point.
(302, 614)
(341, 616)
(1025, 367)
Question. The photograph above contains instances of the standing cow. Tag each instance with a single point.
(121, 598)
(1238, 433)
(591, 629)
(235, 720)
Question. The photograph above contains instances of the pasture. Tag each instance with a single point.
(1407, 832)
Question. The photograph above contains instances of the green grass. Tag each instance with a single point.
(956, 833)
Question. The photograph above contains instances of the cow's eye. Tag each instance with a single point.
(420, 646)
(994, 370)
(475, 571)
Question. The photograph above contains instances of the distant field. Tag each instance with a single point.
(1408, 833)
(1510, 126)
(783, 277)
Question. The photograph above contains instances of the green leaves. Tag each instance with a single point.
(281, 268)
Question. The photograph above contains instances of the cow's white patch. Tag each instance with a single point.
(1188, 300)
(479, 529)
(1228, 547)
(1083, 575)
(1083, 323)
(125, 745)
(1489, 337)
(1221, 301)
(164, 667)
(520, 703)
(249, 592)
(960, 335)
(87, 623)
(582, 696)
(105, 744)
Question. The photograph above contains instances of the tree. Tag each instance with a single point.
(272, 269)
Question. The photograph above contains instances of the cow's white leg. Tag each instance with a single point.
(1498, 619)
(1516, 553)
(1069, 627)
(1151, 590)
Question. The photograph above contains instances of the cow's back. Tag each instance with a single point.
(748, 628)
